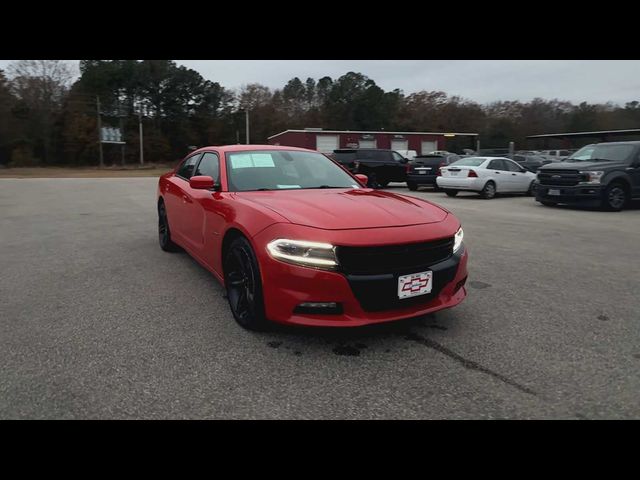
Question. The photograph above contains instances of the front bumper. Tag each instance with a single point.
(578, 194)
(363, 299)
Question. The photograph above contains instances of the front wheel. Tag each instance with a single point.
(164, 234)
(531, 190)
(451, 193)
(412, 186)
(244, 287)
(548, 204)
(615, 197)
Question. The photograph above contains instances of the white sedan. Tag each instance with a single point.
(485, 175)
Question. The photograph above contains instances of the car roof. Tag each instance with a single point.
(630, 142)
(244, 148)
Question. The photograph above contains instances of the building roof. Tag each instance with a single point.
(318, 130)
(631, 131)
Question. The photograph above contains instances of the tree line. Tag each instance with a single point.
(47, 118)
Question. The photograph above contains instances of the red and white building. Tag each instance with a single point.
(326, 141)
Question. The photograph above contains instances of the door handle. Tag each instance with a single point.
(498, 173)
(513, 174)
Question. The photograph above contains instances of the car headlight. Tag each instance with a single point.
(592, 177)
(457, 240)
(300, 252)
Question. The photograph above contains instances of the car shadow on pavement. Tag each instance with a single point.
(352, 341)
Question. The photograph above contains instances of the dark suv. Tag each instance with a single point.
(606, 175)
(424, 169)
(381, 166)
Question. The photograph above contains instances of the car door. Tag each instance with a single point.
(498, 171)
(398, 168)
(202, 220)
(634, 172)
(519, 181)
(175, 195)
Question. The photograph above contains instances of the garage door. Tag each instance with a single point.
(428, 147)
(399, 145)
(367, 143)
(326, 143)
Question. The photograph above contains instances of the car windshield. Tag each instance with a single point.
(283, 170)
(605, 153)
(469, 162)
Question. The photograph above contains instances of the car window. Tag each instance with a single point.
(496, 165)
(469, 162)
(186, 169)
(379, 155)
(511, 166)
(209, 166)
(397, 157)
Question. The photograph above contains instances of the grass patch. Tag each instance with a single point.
(152, 170)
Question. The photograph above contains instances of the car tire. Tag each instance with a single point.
(244, 286)
(436, 188)
(412, 186)
(384, 184)
(548, 204)
(489, 190)
(372, 180)
(451, 193)
(164, 233)
(615, 197)
(531, 191)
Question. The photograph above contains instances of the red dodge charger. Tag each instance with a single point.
(297, 239)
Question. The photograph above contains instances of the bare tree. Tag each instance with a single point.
(41, 85)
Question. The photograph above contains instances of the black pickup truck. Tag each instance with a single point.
(605, 175)
(380, 166)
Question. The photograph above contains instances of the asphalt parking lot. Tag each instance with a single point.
(97, 322)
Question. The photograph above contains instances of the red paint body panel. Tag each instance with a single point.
(199, 220)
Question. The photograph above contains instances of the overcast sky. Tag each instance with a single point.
(594, 81)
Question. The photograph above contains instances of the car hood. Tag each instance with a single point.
(579, 165)
(341, 209)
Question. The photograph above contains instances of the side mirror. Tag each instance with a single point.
(363, 179)
(201, 182)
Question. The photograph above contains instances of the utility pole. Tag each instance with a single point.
(141, 143)
(121, 132)
(100, 132)
(247, 118)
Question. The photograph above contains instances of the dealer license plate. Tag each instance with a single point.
(554, 191)
(415, 284)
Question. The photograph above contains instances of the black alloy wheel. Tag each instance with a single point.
(615, 197)
(164, 234)
(244, 287)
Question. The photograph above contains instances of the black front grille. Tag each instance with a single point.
(563, 178)
(406, 258)
(377, 293)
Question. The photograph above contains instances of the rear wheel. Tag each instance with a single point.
(489, 190)
(244, 287)
(384, 183)
(615, 197)
(164, 234)
(373, 180)
(451, 193)
(548, 204)
(412, 186)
